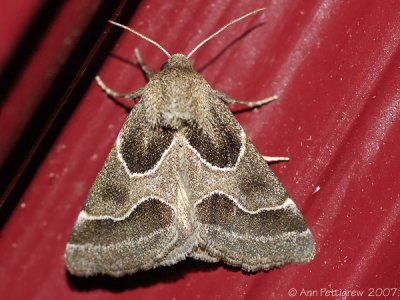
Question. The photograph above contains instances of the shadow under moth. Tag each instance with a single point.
(184, 180)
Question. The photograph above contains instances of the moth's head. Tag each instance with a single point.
(178, 61)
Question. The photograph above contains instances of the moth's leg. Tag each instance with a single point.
(229, 100)
(112, 93)
(131, 95)
(146, 71)
(274, 159)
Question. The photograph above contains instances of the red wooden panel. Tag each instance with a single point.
(335, 66)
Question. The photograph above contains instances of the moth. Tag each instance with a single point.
(184, 180)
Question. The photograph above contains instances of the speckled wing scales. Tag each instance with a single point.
(245, 217)
(164, 195)
(127, 223)
(255, 226)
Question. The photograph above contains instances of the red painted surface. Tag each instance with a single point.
(336, 68)
(12, 28)
(40, 70)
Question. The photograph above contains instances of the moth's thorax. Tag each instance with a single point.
(175, 97)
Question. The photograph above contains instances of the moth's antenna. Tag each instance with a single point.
(142, 36)
(222, 29)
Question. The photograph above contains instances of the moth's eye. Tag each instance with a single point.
(164, 66)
